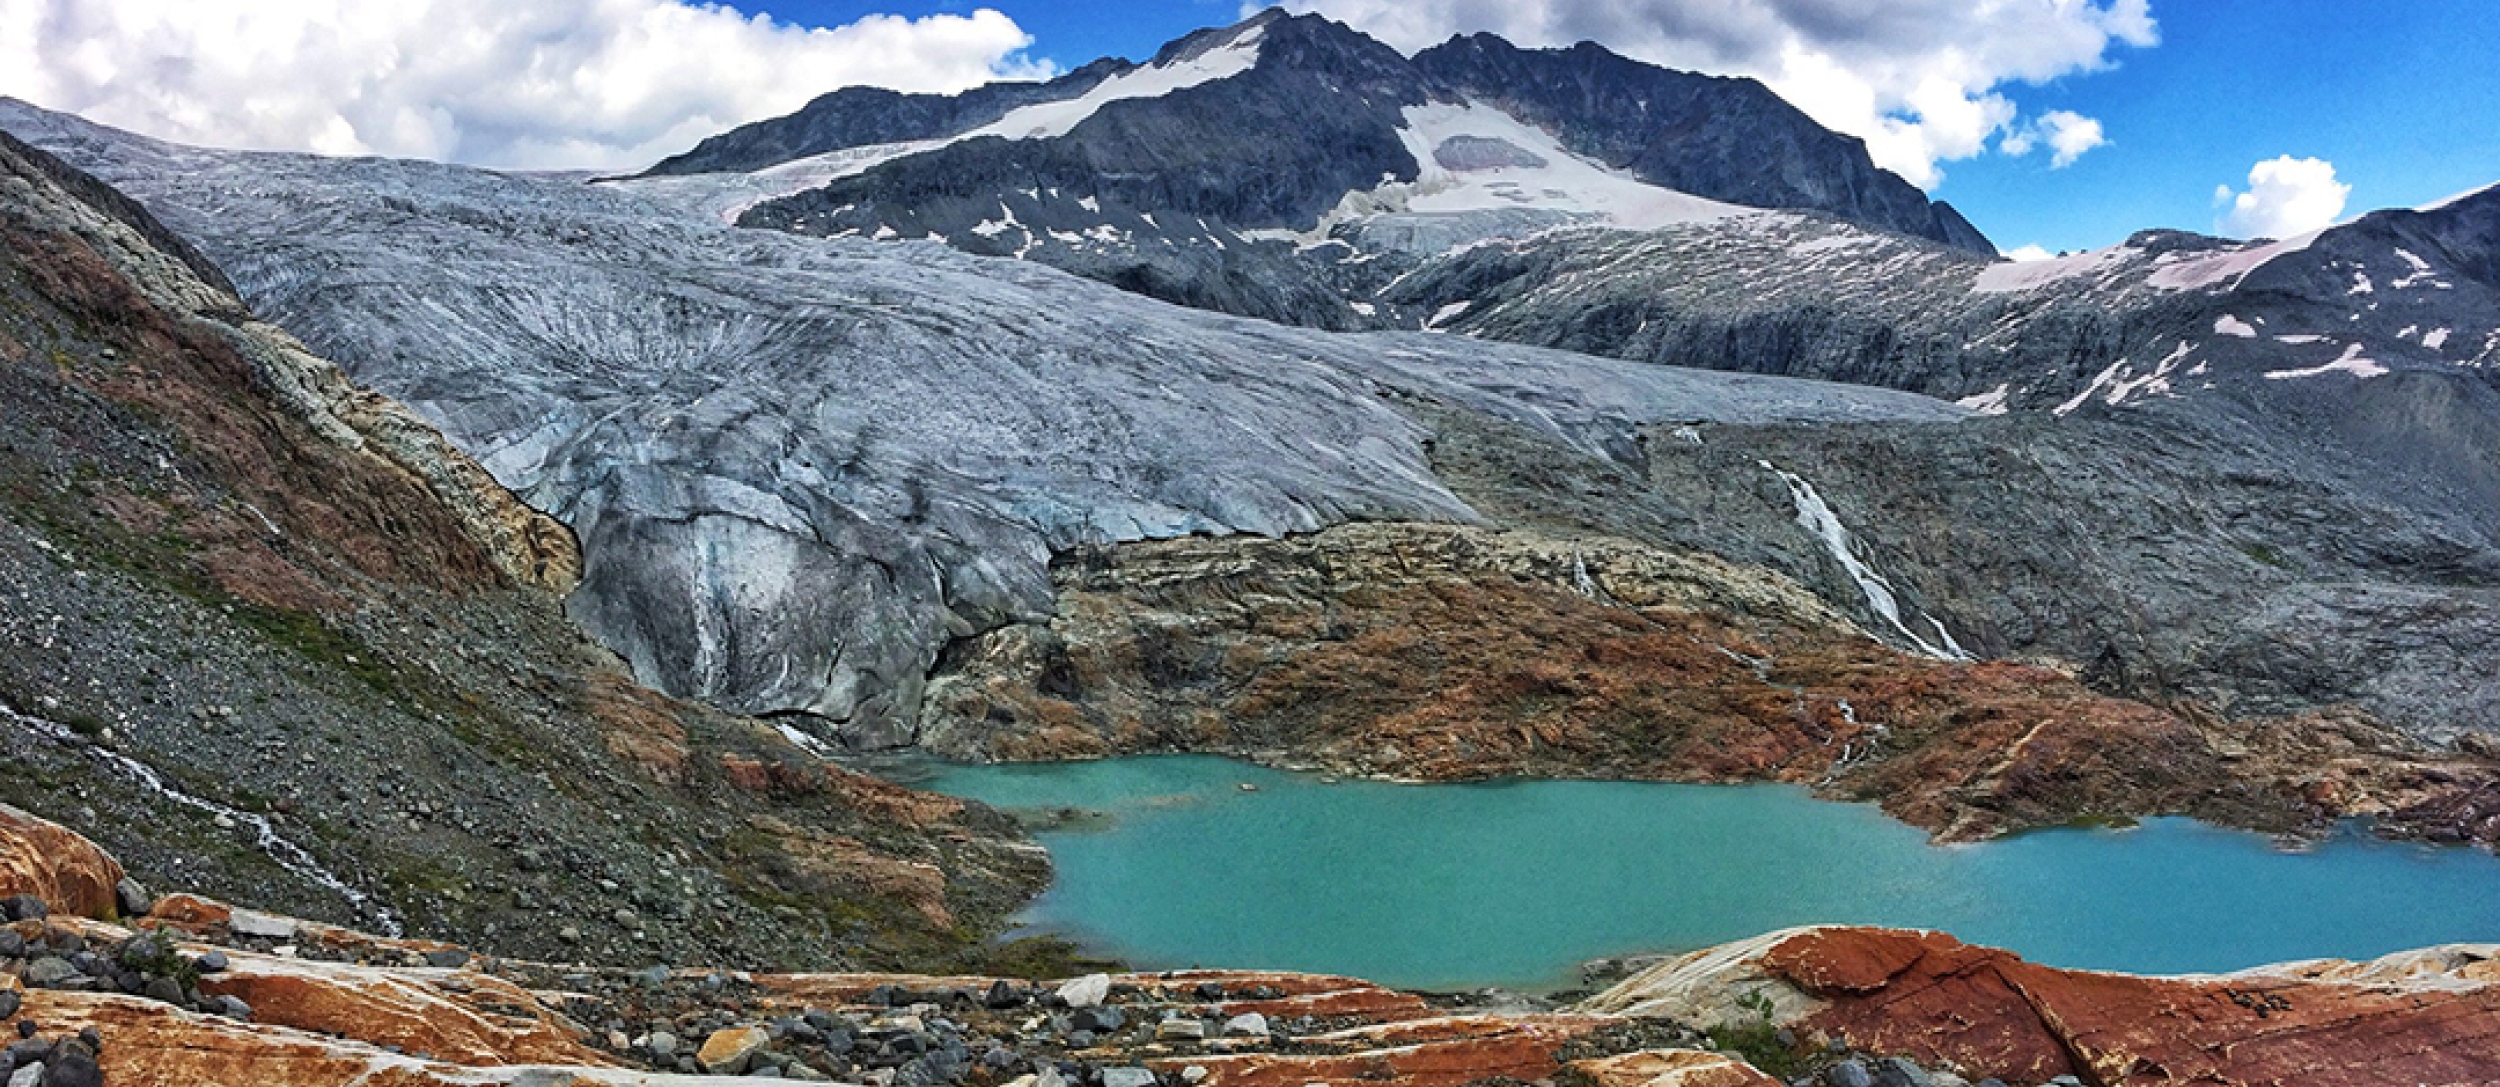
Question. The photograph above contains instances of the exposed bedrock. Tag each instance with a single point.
(1446, 652)
(2426, 1017)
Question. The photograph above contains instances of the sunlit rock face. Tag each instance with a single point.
(2414, 1017)
(68, 873)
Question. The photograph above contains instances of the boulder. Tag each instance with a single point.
(730, 1052)
(1086, 992)
(67, 873)
(133, 898)
(260, 925)
(49, 971)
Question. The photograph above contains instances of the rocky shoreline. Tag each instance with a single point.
(109, 985)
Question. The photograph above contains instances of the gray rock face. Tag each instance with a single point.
(798, 469)
(2236, 474)
(861, 116)
(1726, 139)
(2165, 315)
(1147, 192)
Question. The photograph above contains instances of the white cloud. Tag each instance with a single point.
(514, 83)
(2286, 196)
(2068, 135)
(2029, 253)
(1918, 80)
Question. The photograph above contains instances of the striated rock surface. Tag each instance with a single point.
(42, 858)
(2429, 1017)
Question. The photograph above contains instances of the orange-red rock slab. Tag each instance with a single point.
(147, 1044)
(1938, 1000)
(454, 1015)
(73, 876)
(460, 1016)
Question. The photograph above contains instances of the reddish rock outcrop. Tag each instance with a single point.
(153, 1045)
(2420, 1018)
(69, 873)
(463, 1017)
(1441, 652)
(2430, 1017)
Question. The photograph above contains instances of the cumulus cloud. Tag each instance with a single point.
(2067, 135)
(2029, 253)
(598, 84)
(1918, 80)
(2285, 196)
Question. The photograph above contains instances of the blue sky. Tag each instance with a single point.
(2402, 98)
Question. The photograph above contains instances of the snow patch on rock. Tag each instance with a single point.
(2351, 362)
(1048, 120)
(2005, 277)
(1991, 402)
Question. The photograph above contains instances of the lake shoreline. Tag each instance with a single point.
(1562, 873)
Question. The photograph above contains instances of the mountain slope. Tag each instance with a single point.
(867, 116)
(2214, 451)
(1182, 178)
(844, 455)
(1730, 140)
(268, 632)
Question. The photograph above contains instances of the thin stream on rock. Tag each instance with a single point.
(287, 854)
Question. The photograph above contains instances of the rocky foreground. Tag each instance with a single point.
(108, 984)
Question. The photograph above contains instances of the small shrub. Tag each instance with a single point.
(1757, 1040)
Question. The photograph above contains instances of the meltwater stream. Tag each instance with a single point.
(1454, 886)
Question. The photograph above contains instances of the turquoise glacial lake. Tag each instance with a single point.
(1516, 883)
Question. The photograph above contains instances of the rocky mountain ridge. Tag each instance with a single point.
(1205, 177)
(1722, 139)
